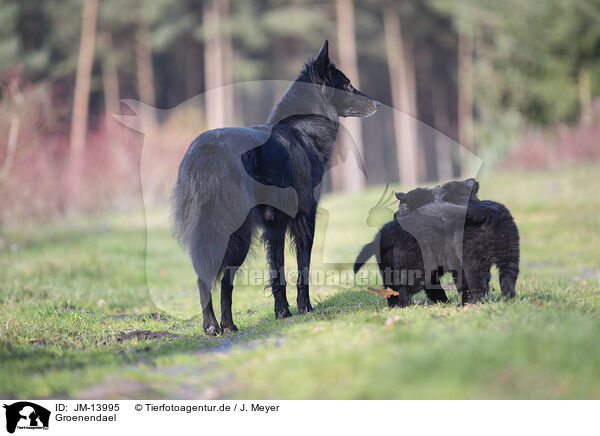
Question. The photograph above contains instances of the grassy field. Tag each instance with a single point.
(69, 292)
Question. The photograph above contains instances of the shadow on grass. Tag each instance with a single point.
(111, 352)
(118, 350)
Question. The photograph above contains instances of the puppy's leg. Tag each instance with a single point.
(403, 297)
(237, 250)
(486, 283)
(393, 300)
(274, 238)
(303, 231)
(508, 278)
(460, 281)
(436, 293)
(475, 281)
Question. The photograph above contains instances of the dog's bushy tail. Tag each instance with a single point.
(184, 201)
(365, 253)
(198, 187)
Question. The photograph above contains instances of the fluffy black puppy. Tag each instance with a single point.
(401, 265)
(234, 180)
(446, 228)
(490, 237)
(409, 261)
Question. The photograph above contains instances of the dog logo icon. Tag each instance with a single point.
(26, 415)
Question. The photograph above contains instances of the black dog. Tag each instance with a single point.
(234, 180)
(442, 229)
(490, 238)
(401, 264)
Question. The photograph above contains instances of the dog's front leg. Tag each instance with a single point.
(303, 230)
(275, 242)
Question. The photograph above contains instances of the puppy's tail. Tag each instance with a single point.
(365, 253)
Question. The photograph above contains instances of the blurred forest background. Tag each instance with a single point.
(515, 82)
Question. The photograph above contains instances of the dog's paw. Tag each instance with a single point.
(228, 327)
(212, 330)
(281, 313)
(305, 308)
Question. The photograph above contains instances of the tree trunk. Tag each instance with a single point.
(443, 144)
(217, 65)
(14, 129)
(82, 89)
(584, 85)
(228, 106)
(145, 69)
(11, 147)
(441, 122)
(110, 79)
(110, 87)
(465, 94)
(402, 83)
(351, 177)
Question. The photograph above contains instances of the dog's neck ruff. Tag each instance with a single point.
(303, 98)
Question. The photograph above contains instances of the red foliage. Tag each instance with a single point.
(559, 146)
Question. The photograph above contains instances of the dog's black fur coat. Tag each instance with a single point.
(489, 237)
(302, 130)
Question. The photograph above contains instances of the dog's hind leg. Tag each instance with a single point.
(303, 231)
(207, 259)
(274, 239)
(509, 272)
(436, 293)
(237, 250)
(475, 285)
(210, 324)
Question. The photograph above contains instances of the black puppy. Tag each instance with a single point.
(490, 237)
(236, 179)
(409, 260)
(447, 228)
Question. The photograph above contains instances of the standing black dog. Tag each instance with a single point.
(234, 180)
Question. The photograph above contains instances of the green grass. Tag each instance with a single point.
(68, 290)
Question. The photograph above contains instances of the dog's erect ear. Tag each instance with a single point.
(322, 59)
(401, 196)
(474, 186)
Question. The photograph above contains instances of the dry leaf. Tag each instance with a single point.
(383, 292)
(539, 303)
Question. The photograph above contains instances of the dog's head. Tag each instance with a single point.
(412, 200)
(347, 100)
(459, 192)
(447, 202)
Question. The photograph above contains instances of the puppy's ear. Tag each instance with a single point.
(322, 60)
(474, 186)
(401, 196)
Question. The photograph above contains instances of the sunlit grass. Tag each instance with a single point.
(67, 291)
